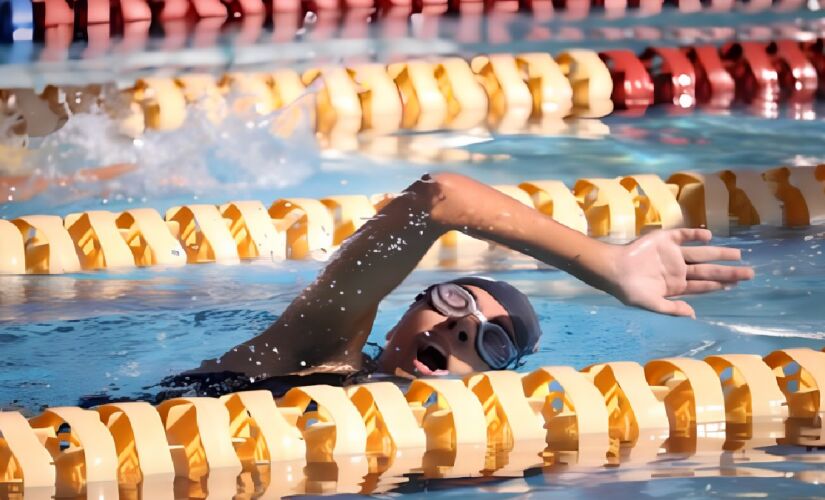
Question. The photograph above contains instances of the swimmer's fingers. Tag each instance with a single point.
(708, 254)
(673, 307)
(685, 235)
(704, 286)
(718, 272)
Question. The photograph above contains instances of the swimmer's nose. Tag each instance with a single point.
(460, 328)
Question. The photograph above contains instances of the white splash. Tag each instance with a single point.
(706, 344)
(770, 332)
(241, 152)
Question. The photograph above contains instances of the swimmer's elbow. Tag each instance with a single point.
(438, 192)
(447, 182)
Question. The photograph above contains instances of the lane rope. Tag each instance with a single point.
(299, 228)
(603, 413)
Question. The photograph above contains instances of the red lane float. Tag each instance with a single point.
(286, 5)
(51, 13)
(752, 70)
(714, 85)
(90, 12)
(246, 8)
(797, 75)
(133, 10)
(816, 54)
(632, 87)
(198, 9)
(769, 72)
(673, 75)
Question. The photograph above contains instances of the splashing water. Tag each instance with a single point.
(244, 150)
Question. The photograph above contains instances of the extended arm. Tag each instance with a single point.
(326, 326)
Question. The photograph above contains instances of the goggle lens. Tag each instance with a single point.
(452, 300)
(495, 346)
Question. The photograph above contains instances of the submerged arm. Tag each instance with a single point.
(329, 322)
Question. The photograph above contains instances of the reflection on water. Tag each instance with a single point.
(247, 40)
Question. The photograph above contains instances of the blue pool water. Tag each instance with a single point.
(94, 336)
(132, 328)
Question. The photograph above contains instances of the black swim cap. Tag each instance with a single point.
(526, 327)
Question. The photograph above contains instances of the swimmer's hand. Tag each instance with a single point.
(655, 267)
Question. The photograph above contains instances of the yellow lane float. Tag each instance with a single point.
(607, 413)
(297, 228)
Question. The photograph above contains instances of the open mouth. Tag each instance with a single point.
(430, 361)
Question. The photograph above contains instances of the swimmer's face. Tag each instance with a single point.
(425, 342)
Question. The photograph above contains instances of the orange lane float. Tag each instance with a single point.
(694, 402)
(425, 106)
(297, 228)
(607, 413)
(506, 90)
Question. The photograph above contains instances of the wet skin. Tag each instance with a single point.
(325, 328)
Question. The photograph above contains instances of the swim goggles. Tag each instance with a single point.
(493, 344)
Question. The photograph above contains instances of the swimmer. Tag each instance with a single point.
(467, 324)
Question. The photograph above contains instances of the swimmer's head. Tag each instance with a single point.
(462, 326)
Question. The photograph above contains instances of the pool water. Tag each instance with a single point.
(95, 336)
(91, 337)
(133, 328)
